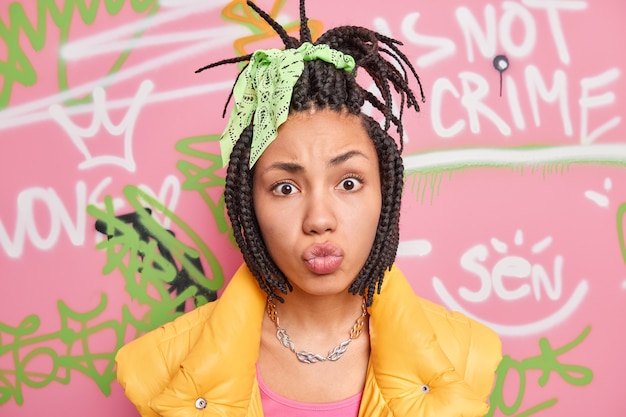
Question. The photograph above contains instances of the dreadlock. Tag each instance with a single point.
(322, 86)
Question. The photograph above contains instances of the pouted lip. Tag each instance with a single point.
(323, 259)
(321, 250)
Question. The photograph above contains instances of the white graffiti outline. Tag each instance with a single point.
(169, 195)
(588, 101)
(602, 153)
(523, 329)
(27, 229)
(417, 247)
(600, 199)
(552, 8)
(101, 119)
(37, 110)
(563, 313)
(108, 41)
(444, 47)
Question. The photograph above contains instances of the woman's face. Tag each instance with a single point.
(317, 199)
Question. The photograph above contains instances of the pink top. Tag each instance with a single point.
(276, 406)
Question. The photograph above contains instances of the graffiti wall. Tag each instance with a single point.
(112, 214)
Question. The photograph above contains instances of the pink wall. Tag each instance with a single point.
(514, 209)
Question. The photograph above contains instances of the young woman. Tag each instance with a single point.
(318, 321)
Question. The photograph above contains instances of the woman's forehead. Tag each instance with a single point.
(319, 134)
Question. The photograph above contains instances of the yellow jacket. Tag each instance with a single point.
(424, 360)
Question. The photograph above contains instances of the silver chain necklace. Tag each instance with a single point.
(307, 357)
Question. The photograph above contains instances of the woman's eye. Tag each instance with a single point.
(284, 189)
(350, 184)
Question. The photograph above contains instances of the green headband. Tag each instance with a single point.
(263, 91)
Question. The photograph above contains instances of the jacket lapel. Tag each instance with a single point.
(220, 367)
(408, 369)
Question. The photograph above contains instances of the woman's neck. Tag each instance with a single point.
(326, 313)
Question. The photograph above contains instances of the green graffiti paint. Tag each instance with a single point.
(19, 69)
(547, 362)
(66, 350)
(149, 258)
(621, 213)
(135, 257)
(201, 179)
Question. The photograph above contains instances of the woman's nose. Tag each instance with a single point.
(319, 216)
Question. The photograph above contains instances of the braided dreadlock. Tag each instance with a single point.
(322, 86)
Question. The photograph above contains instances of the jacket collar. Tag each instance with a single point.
(410, 368)
(220, 367)
(408, 373)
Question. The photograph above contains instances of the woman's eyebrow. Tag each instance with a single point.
(290, 167)
(344, 157)
(293, 167)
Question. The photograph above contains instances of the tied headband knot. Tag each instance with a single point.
(262, 93)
